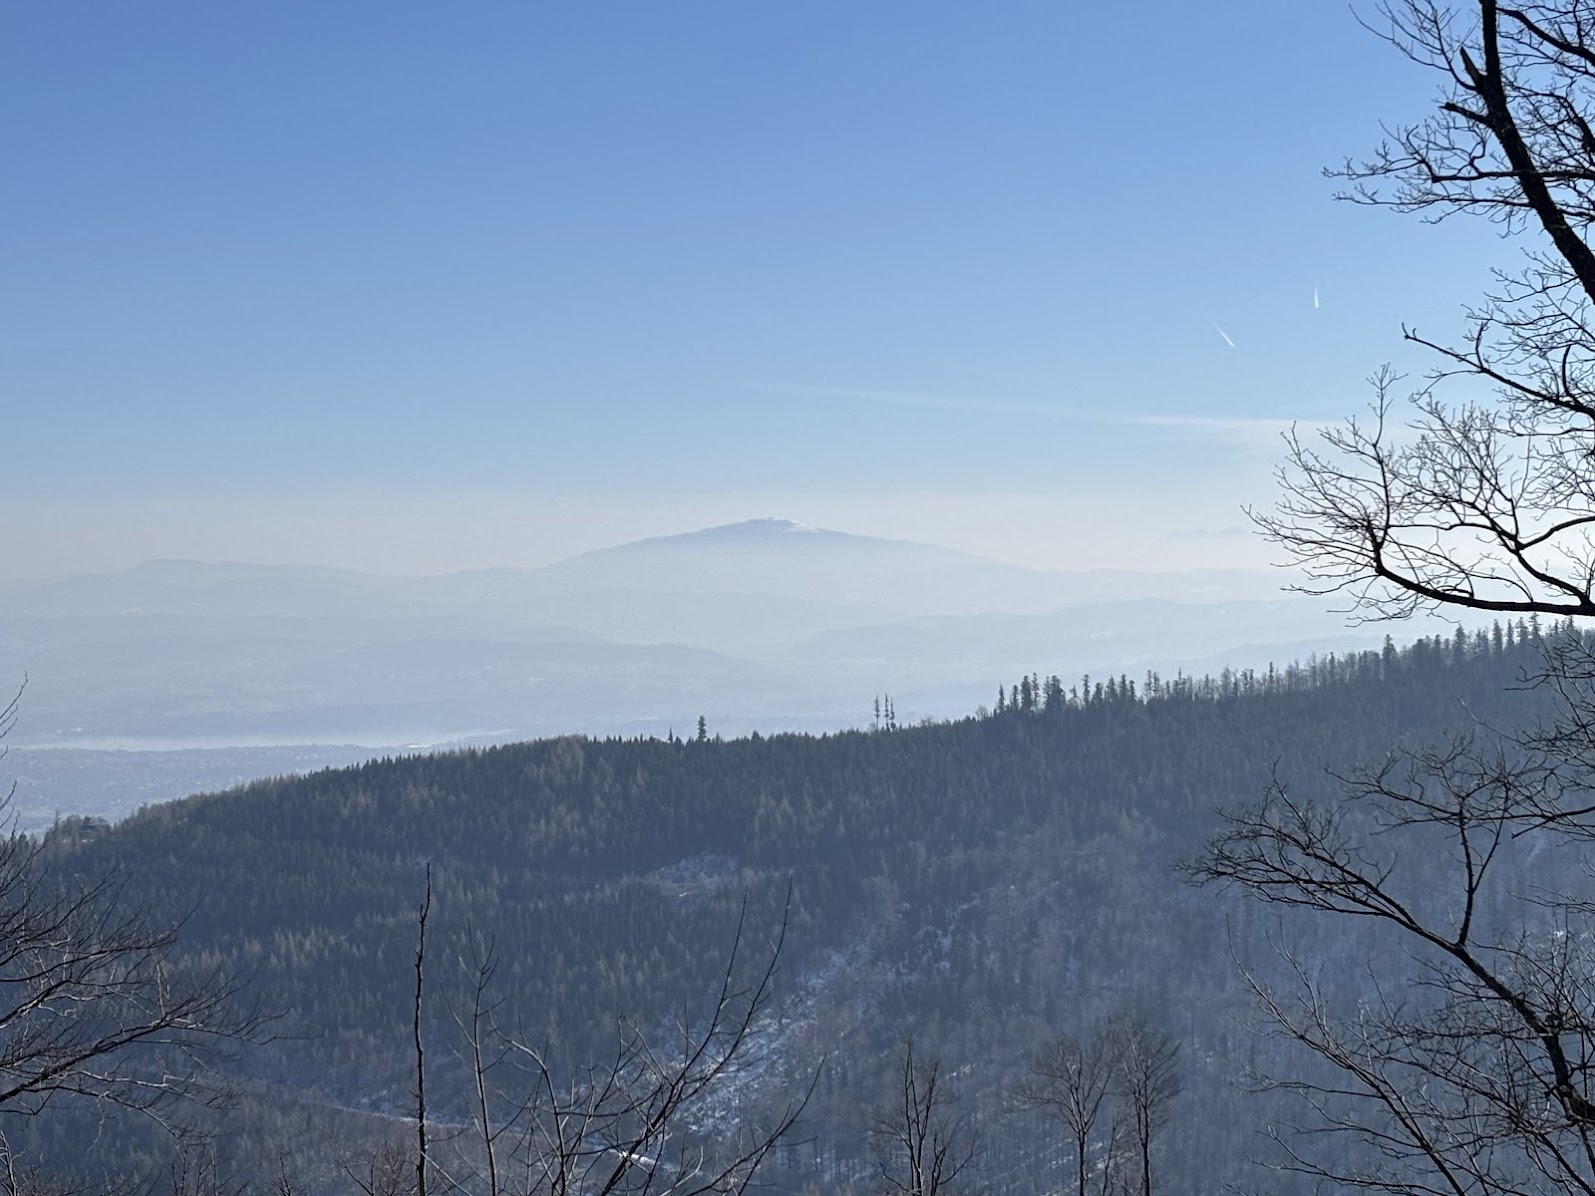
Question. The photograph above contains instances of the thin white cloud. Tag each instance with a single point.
(1237, 428)
(904, 398)
(1231, 427)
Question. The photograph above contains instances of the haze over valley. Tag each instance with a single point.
(232, 670)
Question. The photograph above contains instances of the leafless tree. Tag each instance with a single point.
(420, 1048)
(92, 1005)
(19, 1179)
(94, 1009)
(926, 1146)
(1146, 1075)
(388, 1170)
(1070, 1081)
(486, 1051)
(198, 1170)
(1487, 503)
(1472, 1072)
(652, 1117)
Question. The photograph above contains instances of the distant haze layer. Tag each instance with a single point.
(411, 532)
(175, 676)
(761, 624)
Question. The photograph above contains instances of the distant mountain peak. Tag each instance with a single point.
(769, 525)
(779, 554)
(746, 533)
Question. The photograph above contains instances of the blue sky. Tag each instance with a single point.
(413, 286)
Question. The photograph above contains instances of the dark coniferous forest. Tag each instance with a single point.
(980, 888)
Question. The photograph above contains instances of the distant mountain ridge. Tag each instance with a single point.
(763, 530)
(780, 557)
(766, 623)
(774, 534)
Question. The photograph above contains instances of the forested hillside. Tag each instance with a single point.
(977, 885)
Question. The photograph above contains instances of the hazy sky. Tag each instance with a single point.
(412, 287)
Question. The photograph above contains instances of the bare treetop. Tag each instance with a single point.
(1510, 134)
(1487, 503)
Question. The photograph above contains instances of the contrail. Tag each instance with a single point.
(1224, 334)
(1315, 298)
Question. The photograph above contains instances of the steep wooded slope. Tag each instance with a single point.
(976, 884)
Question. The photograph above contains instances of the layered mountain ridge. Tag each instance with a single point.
(765, 624)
